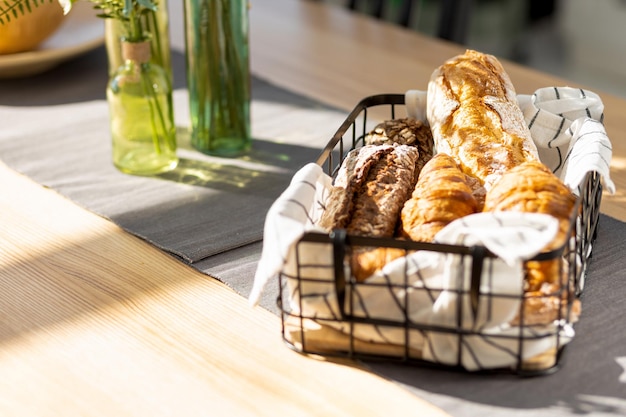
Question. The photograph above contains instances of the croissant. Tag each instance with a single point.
(531, 187)
(442, 194)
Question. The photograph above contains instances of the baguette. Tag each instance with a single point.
(474, 116)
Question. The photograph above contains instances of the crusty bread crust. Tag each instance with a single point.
(352, 174)
(372, 184)
(474, 116)
(370, 189)
(389, 184)
(405, 131)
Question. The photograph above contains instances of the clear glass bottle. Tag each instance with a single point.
(141, 115)
(218, 75)
(156, 24)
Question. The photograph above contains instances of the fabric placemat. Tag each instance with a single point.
(206, 206)
(210, 213)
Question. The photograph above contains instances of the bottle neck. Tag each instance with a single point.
(136, 51)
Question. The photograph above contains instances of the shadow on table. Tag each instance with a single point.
(266, 168)
(207, 206)
(81, 79)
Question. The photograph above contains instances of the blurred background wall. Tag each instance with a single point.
(580, 40)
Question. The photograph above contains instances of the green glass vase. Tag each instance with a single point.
(218, 75)
(141, 116)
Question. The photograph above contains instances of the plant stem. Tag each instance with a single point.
(226, 71)
(153, 26)
(152, 103)
(134, 30)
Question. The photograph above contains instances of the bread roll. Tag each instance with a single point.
(545, 305)
(352, 175)
(370, 189)
(474, 116)
(378, 203)
(405, 131)
(372, 184)
(364, 262)
(442, 194)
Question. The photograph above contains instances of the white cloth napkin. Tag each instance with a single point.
(294, 212)
(566, 125)
(438, 280)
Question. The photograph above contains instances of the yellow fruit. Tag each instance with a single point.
(28, 30)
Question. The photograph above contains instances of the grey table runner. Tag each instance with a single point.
(210, 213)
(204, 207)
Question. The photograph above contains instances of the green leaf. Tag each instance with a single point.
(16, 8)
(128, 8)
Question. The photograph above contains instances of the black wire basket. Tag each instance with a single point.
(339, 332)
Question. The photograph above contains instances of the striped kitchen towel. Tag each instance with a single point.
(566, 125)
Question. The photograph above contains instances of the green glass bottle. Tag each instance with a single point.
(218, 75)
(141, 116)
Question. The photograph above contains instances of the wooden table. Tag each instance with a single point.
(95, 322)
